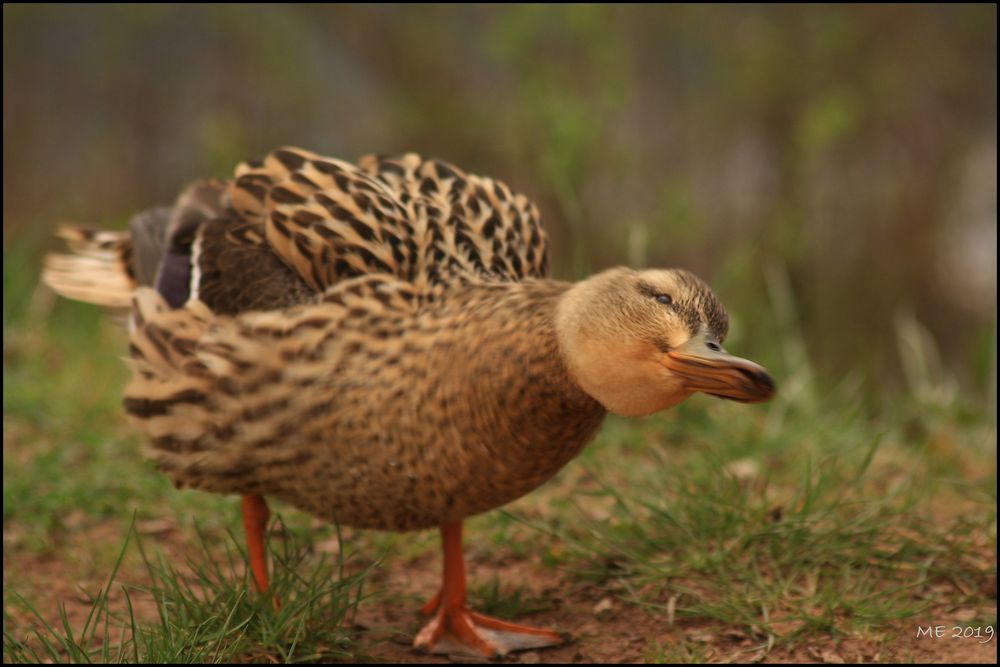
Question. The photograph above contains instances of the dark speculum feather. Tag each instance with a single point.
(174, 279)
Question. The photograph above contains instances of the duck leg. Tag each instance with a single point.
(255, 517)
(455, 626)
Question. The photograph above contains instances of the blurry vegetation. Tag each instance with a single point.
(830, 170)
(851, 150)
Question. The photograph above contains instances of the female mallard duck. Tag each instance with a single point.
(378, 344)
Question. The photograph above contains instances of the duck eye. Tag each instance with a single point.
(665, 299)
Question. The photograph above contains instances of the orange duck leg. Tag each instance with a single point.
(455, 626)
(255, 517)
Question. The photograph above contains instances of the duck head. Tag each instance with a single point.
(642, 341)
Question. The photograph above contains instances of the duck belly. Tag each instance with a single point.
(400, 481)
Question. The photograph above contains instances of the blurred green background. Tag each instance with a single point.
(830, 170)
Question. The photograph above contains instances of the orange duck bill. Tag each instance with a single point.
(705, 366)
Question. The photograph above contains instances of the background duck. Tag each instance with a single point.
(379, 344)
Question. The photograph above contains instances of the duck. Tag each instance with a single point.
(379, 344)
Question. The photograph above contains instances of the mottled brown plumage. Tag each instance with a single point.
(399, 416)
(378, 344)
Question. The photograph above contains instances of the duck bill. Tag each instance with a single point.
(704, 366)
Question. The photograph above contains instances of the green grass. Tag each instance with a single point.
(820, 548)
(205, 613)
(810, 519)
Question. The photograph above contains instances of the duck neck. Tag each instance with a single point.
(526, 396)
(601, 360)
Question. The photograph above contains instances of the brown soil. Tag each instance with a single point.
(606, 629)
(603, 627)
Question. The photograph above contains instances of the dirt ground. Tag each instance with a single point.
(605, 629)
(602, 627)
